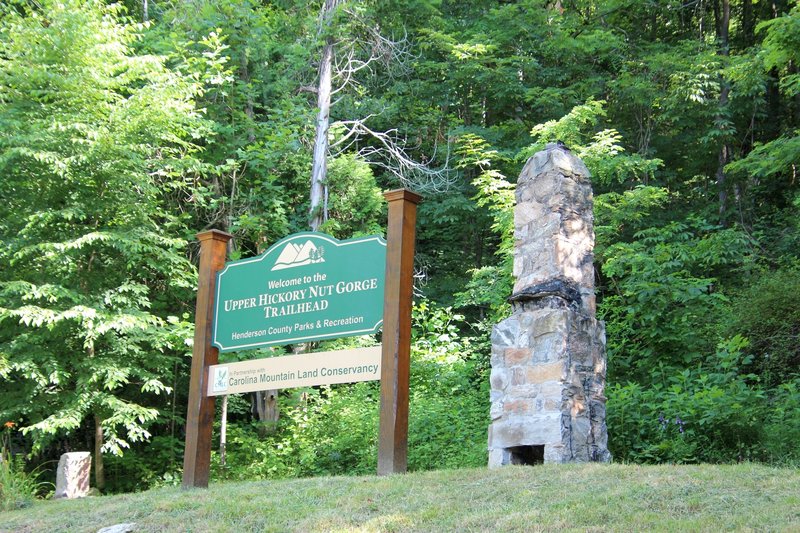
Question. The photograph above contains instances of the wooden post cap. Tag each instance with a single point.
(402, 194)
(215, 234)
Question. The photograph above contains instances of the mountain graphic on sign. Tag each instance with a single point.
(294, 255)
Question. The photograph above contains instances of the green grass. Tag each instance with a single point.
(542, 498)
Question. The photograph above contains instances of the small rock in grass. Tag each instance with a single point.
(118, 528)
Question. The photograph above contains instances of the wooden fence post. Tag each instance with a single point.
(396, 355)
(200, 414)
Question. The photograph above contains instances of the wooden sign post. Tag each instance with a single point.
(200, 415)
(396, 357)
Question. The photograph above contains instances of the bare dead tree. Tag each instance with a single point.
(390, 152)
(319, 166)
(368, 51)
(344, 61)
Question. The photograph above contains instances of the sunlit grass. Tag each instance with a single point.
(541, 498)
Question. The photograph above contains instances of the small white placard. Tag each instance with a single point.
(302, 370)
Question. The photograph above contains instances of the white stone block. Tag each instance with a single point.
(72, 476)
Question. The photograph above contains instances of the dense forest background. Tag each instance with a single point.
(127, 128)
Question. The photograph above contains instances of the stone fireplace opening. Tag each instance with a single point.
(526, 455)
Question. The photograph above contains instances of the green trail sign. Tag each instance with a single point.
(305, 287)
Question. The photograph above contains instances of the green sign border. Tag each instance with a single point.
(274, 250)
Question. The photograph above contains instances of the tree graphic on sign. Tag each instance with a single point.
(317, 255)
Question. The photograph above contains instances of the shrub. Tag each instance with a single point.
(18, 489)
(768, 314)
(782, 426)
(709, 413)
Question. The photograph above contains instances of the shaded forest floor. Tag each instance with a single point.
(551, 497)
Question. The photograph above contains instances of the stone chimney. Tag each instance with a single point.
(548, 357)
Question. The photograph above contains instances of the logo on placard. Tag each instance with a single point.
(295, 255)
(220, 379)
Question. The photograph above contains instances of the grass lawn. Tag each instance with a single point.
(541, 498)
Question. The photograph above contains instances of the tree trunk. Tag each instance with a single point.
(722, 159)
(724, 156)
(319, 167)
(748, 23)
(244, 75)
(794, 104)
(99, 469)
(267, 410)
(702, 10)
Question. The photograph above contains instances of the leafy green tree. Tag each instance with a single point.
(259, 118)
(96, 145)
